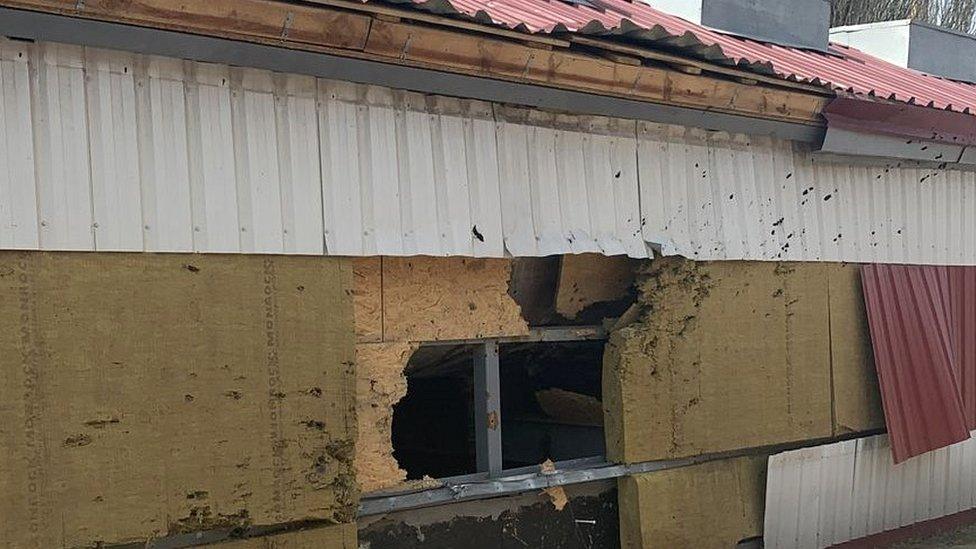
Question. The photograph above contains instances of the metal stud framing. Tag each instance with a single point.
(488, 409)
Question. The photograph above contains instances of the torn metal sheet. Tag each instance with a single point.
(921, 330)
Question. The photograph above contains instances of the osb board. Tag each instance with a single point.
(367, 298)
(340, 536)
(589, 279)
(146, 395)
(729, 355)
(711, 505)
(430, 299)
(857, 399)
(380, 384)
(399, 303)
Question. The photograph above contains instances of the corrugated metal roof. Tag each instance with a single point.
(842, 68)
(821, 496)
(918, 316)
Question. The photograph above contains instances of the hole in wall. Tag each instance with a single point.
(433, 425)
(550, 406)
(551, 401)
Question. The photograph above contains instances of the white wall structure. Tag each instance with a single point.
(718, 196)
(105, 150)
(817, 497)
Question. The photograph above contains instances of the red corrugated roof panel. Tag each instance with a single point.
(844, 69)
(922, 320)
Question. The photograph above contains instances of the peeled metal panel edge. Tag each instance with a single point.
(912, 328)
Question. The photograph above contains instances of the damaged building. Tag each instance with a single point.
(537, 273)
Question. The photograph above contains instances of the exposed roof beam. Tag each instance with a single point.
(56, 28)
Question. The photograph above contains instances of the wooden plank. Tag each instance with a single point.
(323, 29)
(259, 20)
(435, 48)
(441, 49)
(656, 55)
(388, 13)
(714, 94)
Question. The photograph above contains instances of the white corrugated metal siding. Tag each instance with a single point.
(817, 497)
(105, 150)
(113, 151)
(709, 195)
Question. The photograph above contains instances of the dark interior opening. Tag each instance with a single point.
(551, 402)
(550, 406)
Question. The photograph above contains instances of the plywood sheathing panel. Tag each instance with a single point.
(401, 303)
(732, 355)
(339, 536)
(146, 395)
(589, 279)
(367, 298)
(432, 299)
(711, 505)
(380, 384)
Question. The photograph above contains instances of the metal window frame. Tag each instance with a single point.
(487, 387)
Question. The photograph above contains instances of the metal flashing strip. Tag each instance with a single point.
(480, 486)
(58, 28)
(542, 334)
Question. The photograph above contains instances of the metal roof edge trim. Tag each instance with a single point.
(873, 25)
(39, 26)
(901, 120)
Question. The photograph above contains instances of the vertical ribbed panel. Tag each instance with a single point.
(112, 151)
(60, 123)
(405, 174)
(163, 155)
(298, 164)
(568, 182)
(116, 200)
(817, 497)
(714, 196)
(213, 179)
(18, 193)
(921, 327)
(256, 158)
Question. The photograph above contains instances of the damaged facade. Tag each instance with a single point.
(401, 303)
(369, 274)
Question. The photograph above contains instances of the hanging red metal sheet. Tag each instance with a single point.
(921, 330)
(963, 294)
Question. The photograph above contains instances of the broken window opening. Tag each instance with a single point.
(547, 406)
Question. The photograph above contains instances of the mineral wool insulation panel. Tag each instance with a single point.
(105, 150)
(817, 497)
